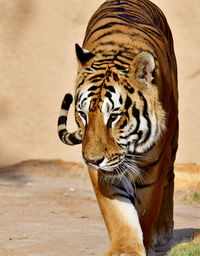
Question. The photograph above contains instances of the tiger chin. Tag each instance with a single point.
(126, 109)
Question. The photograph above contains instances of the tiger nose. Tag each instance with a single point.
(96, 162)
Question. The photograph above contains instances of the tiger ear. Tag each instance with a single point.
(83, 55)
(143, 65)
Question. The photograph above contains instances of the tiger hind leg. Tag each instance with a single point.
(163, 231)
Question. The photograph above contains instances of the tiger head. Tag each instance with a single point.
(117, 111)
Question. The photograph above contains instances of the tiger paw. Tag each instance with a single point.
(150, 252)
(133, 253)
(162, 237)
(122, 254)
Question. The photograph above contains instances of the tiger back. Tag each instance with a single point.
(126, 108)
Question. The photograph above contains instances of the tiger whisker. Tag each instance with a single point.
(136, 170)
(137, 163)
(146, 158)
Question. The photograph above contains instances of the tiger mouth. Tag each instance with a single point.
(127, 167)
(114, 171)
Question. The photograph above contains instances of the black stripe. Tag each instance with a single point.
(129, 89)
(121, 62)
(92, 94)
(125, 137)
(104, 62)
(128, 103)
(73, 139)
(109, 95)
(146, 116)
(82, 82)
(120, 67)
(136, 114)
(96, 77)
(61, 132)
(93, 88)
(110, 88)
(107, 43)
(88, 69)
(62, 120)
(97, 68)
(107, 55)
(96, 80)
(126, 114)
(122, 144)
(67, 101)
(124, 55)
(140, 133)
(120, 99)
(97, 62)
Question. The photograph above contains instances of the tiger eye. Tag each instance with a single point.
(113, 117)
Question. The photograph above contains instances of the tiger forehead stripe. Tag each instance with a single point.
(110, 88)
(96, 78)
(93, 88)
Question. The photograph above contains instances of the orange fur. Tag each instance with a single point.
(129, 59)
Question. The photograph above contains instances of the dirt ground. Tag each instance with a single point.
(48, 208)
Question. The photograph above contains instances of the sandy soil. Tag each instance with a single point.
(48, 208)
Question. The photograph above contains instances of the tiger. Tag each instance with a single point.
(126, 110)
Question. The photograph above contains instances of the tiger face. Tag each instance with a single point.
(118, 112)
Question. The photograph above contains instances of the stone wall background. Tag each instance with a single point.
(38, 66)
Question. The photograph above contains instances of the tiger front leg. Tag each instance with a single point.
(121, 220)
(126, 241)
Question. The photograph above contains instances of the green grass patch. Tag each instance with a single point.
(185, 249)
(196, 197)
